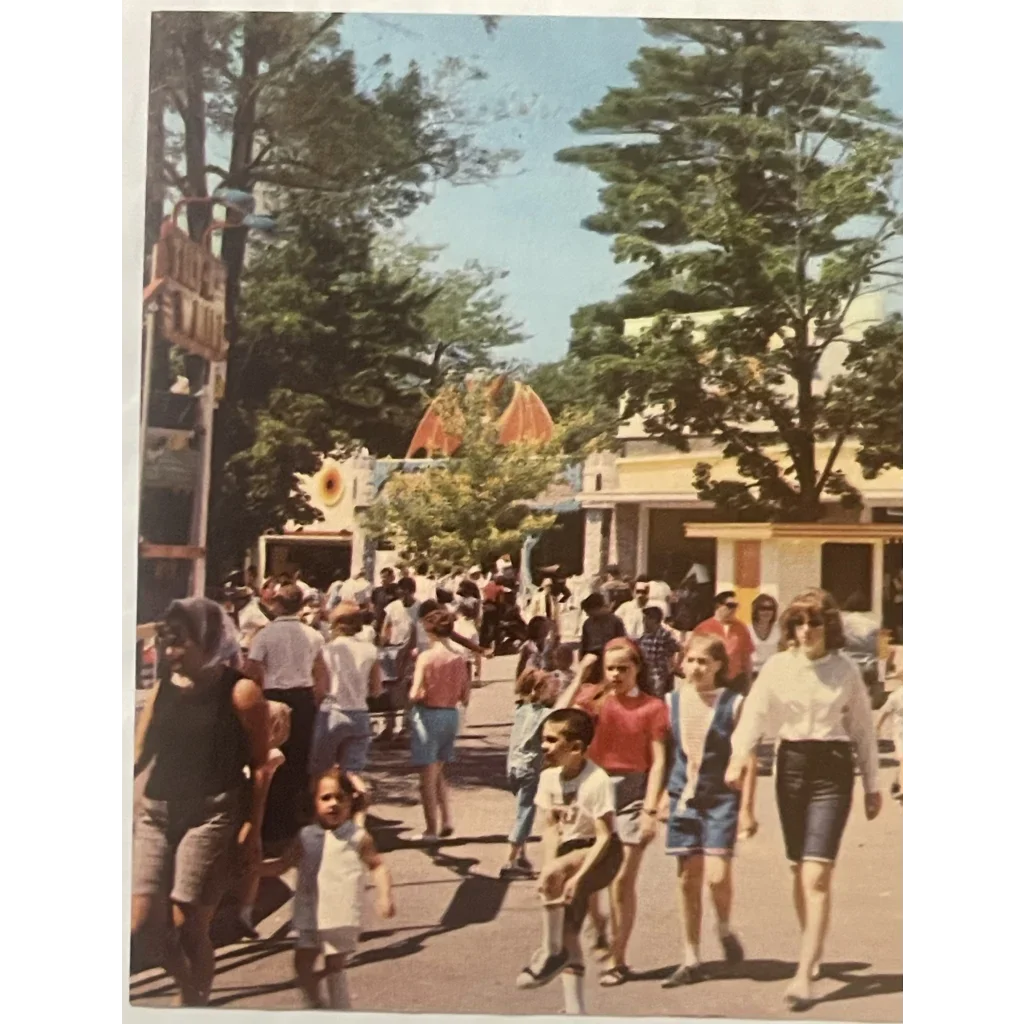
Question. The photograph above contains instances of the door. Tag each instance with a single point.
(846, 574)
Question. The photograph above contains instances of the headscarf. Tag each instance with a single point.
(208, 625)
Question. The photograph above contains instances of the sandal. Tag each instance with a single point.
(684, 975)
(541, 970)
(613, 976)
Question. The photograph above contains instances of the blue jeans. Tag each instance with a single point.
(525, 789)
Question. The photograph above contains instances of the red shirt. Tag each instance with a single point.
(738, 644)
(626, 729)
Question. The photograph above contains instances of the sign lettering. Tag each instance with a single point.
(193, 293)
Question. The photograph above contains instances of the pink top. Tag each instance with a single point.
(445, 677)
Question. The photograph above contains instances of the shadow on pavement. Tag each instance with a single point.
(766, 971)
(226, 930)
(858, 987)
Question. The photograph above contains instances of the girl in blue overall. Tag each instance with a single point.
(703, 814)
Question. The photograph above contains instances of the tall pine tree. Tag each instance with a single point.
(748, 168)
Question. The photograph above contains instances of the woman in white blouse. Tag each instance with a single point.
(811, 696)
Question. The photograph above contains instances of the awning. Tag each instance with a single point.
(796, 531)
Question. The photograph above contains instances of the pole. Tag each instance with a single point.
(148, 341)
(201, 505)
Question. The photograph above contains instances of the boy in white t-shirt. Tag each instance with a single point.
(582, 852)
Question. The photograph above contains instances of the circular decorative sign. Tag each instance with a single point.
(330, 484)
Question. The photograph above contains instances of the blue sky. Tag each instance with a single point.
(528, 221)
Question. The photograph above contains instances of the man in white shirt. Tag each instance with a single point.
(426, 587)
(397, 641)
(632, 612)
(357, 589)
(286, 659)
(251, 619)
(661, 594)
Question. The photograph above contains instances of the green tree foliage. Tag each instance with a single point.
(340, 343)
(476, 505)
(747, 169)
(465, 312)
(869, 394)
(275, 103)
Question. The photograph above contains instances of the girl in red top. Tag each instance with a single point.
(631, 730)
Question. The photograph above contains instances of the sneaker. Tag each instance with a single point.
(427, 838)
(542, 969)
(684, 975)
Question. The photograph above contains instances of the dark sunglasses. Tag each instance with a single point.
(732, 605)
(814, 621)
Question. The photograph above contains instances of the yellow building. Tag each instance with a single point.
(642, 512)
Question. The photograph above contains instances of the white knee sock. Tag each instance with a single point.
(691, 954)
(554, 924)
(245, 915)
(572, 986)
(337, 991)
(723, 928)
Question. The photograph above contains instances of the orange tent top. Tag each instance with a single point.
(431, 436)
(525, 419)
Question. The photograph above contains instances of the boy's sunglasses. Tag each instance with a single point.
(732, 605)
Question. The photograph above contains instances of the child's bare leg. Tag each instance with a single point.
(337, 982)
(691, 881)
(444, 809)
(718, 871)
(305, 973)
(623, 903)
(428, 796)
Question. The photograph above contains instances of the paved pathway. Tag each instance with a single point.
(461, 934)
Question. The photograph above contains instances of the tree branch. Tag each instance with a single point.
(830, 462)
(291, 58)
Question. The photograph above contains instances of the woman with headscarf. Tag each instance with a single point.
(204, 725)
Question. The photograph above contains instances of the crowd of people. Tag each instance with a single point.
(252, 748)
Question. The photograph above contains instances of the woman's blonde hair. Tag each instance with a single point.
(813, 603)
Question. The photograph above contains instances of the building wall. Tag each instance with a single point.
(798, 567)
(672, 475)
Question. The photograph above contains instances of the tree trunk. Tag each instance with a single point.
(194, 62)
(156, 193)
(223, 545)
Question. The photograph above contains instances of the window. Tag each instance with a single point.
(846, 572)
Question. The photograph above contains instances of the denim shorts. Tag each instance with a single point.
(340, 738)
(814, 788)
(433, 734)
